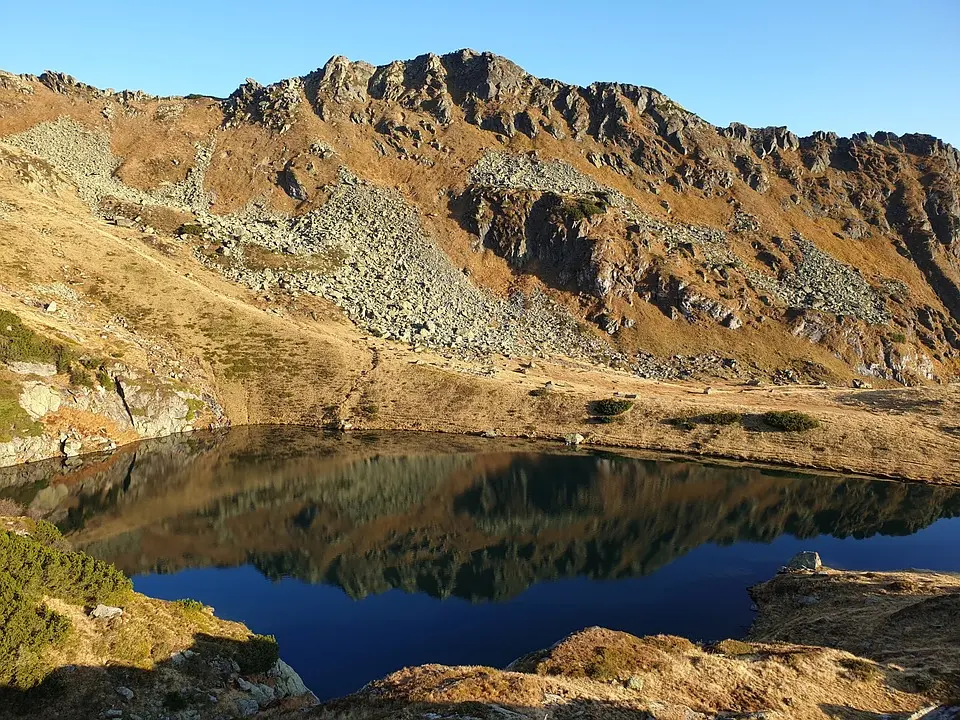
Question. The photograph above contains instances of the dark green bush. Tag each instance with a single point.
(34, 566)
(898, 337)
(583, 208)
(190, 605)
(790, 420)
(191, 229)
(605, 419)
(18, 343)
(723, 417)
(611, 406)
(258, 654)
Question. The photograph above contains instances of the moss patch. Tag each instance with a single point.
(14, 421)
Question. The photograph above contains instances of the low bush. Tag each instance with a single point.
(191, 229)
(611, 406)
(584, 208)
(898, 337)
(258, 654)
(14, 420)
(18, 343)
(723, 417)
(36, 566)
(790, 420)
(190, 605)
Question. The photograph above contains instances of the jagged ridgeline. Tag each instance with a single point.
(369, 516)
(380, 188)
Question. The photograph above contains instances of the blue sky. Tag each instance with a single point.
(846, 65)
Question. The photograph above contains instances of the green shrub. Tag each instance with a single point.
(106, 380)
(35, 566)
(18, 343)
(583, 208)
(80, 377)
(14, 420)
(790, 420)
(258, 654)
(611, 406)
(723, 417)
(898, 337)
(191, 229)
(190, 605)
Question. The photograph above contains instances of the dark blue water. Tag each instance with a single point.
(701, 595)
(362, 559)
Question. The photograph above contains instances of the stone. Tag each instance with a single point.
(28, 368)
(105, 612)
(51, 307)
(635, 682)
(38, 399)
(126, 693)
(861, 384)
(573, 438)
(287, 682)
(489, 433)
(72, 447)
(263, 694)
(113, 713)
(806, 560)
(247, 707)
(708, 391)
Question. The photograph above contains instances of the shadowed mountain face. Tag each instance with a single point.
(448, 517)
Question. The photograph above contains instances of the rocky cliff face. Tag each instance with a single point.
(456, 202)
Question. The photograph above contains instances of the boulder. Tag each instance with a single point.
(806, 560)
(105, 612)
(573, 438)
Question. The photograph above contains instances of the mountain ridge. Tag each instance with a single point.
(457, 206)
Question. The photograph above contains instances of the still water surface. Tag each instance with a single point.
(369, 553)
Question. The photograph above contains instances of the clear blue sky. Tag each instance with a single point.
(845, 65)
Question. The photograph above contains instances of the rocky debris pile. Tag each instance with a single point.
(820, 282)
(529, 172)
(85, 156)
(391, 278)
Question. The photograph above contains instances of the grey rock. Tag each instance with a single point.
(28, 368)
(806, 560)
(105, 612)
(247, 707)
(573, 438)
(125, 692)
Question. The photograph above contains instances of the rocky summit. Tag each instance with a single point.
(357, 246)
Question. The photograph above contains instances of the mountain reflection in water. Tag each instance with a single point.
(459, 517)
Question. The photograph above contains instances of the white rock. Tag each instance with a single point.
(105, 612)
(573, 438)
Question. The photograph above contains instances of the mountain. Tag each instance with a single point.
(280, 255)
